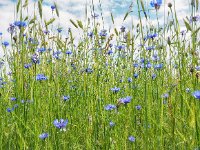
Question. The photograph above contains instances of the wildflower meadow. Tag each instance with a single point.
(89, 86)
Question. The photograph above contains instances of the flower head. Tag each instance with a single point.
(111, 124)
(110, 107)
(125, 100)
(20, 24)
(66, 98)
(196, 94)
(5, 43)
(60, 124)
(156, 4)
(41, 77)
(131, 139)
(115, 89)
(43, 136)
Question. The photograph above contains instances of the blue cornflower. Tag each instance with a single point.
(138, 107)
(53, 7)
(120, 47)
(59, 30)
(135, 65)
(13, 98)
(153, 76)
(109, 52)
(155, 57)
(135, 75)
(115, 89)
(125, 100)
(131, 138)
(151, 36)
(195, 18)
(9, 110)
(149, 48)
(111, 124)
(103, 33)
(20, 24)
(46, 32)
(5, 43)
(158, 66)
(41, 50)
(165, 95)
(60, 124)
(66, 98)
(11, 29)
(129, 80)
(90, 34)
(110, 107)
(156, 4)
(27, 66)
(41, 77)
(88, 70)
(43, 136)
(196, 94)
(35, 59)
(56, 54)
(197, 68)
(1, 33)
(68, 52)
(123, 29)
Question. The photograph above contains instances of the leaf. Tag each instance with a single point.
(142, 4)
(73, 23)
(18, 4)
(57, 12)
(187, 25)
(125, 16)
(50, 21)
(25, 4)
(40, 8)
(112, 18)
(116, 31)
(32, 20)
(26, 18)
(196, 31)
(80, 24)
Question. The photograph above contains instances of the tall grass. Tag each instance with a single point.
(159, 77)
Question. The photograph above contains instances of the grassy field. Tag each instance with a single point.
(119, 89)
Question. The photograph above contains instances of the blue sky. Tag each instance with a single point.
(75, 9)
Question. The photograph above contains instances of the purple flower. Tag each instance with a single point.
(41, 77)
(196, 94)
(135, 75)
(27, 66)
(110, 107)
(111, 124)
(125, 100)
(5, 43)
(138, 107)
(166, 95)
(90, 34)
(35, 59)
(115, 89)
(59, 30)
(120, 47)
(60, 124)
(109, 52)
(103, 33)
(153, 76)
(123, 29)
(195, 18)
(41, 50)
(53, 7)
(156, 4)
(158, 66)
(11, 29)
(131, 139)
(129, 80)
(197, 68)
(13, 98)
(68, 52)
(66, 98)
(20, 24)
(43, 136)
